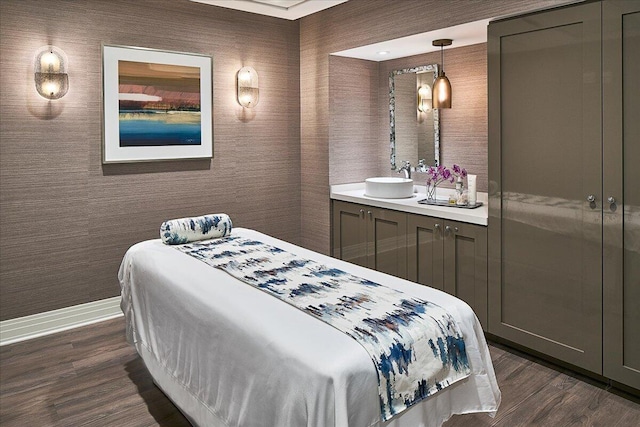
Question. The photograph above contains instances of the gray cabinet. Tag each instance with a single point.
(621, 220)
(559, 279)
(446, 255)
(450, 256)
(349, 238)
(425, 254)
(370, 237)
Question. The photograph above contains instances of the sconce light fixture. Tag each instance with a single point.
(248, 92)
(424, 98)
(50, 72)
(442, 86)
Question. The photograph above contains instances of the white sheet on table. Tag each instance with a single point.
(232, 355)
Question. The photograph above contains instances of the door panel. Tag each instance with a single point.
(621, 98)
(388, 241)
(425, 251)
(465, 265)
(631, 198)
(545, 141)
(349, 233)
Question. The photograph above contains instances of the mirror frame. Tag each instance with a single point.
(392, 113)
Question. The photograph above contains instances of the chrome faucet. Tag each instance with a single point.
(422, 167)
(406, 168)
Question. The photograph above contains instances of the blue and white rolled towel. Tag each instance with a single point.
(185, 230)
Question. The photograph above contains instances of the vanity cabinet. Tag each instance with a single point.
(371, 237)
(563, 219)
(450, 256)
(444, 254)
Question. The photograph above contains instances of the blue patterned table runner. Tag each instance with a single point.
(416, 346)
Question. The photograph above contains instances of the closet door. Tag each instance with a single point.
(621, 96)
(545, 160)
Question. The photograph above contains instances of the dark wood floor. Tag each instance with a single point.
(91, 377)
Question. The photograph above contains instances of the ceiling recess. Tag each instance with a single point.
(286, 9)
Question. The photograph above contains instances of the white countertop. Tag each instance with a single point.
(355, 193)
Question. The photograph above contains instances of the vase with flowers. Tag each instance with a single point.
(439, 174)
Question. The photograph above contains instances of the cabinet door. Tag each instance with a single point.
(465, 265)
(621, 98)
(425, 251)
(350, 233)
(545, 160)
(387, 237)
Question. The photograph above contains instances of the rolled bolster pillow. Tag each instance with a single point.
(185, 230)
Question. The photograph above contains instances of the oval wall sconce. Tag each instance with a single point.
(248, 92)
(441, 86)
(50, 72)
(424, 99)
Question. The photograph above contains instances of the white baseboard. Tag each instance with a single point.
(50, 322)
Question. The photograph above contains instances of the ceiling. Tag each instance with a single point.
(287, 9)
(462, 35)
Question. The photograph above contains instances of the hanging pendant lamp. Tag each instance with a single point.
(441, 94)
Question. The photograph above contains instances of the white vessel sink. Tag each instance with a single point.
(388, 187)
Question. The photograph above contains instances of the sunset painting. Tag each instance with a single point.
(158, 104)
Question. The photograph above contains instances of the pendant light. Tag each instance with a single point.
(441, 94)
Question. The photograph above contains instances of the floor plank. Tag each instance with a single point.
(92, 377)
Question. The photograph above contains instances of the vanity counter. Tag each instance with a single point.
(355, 193)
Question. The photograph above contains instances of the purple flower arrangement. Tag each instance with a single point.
(436, 175)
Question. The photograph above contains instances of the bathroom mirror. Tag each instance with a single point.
(415, 134)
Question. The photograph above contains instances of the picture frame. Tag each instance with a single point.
(157, 105)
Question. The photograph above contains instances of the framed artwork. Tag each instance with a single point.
(157, 105)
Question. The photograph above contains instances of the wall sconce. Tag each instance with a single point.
(441, 86)
(248, 92)
(424, 99)
(50, 72)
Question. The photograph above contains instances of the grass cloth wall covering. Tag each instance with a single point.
(66, 219)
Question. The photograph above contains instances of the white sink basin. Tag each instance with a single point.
(388, 187)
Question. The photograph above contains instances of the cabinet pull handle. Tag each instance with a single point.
(611, 200)
(591, 198)
(448, 229)
(362, 213)
(370, 215)
(437, 226)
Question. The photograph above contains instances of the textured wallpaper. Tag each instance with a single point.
(66, 219)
